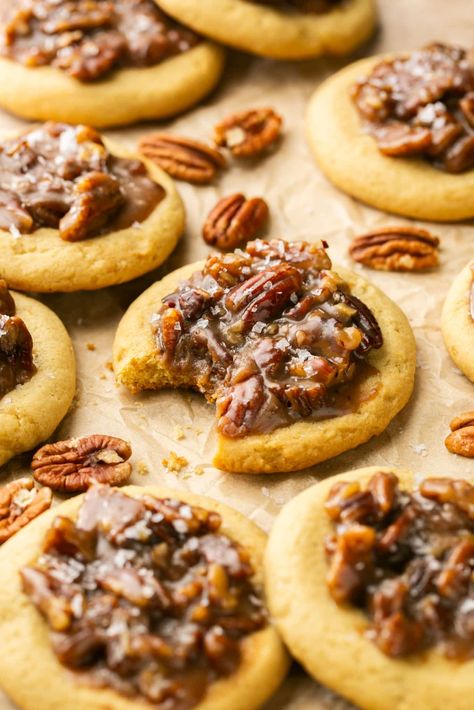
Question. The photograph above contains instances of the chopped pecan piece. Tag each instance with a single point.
(461, 439)
(248, 133)
(16, 353)
(171, 329)
(97, 197)
(76, 464)
(235, 220)
(396, 249)
(20, 503)
(450, 490)
(183, 158)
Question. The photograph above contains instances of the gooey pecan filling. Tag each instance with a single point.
(270, 333)
(90, 38)
(146, 596)
(317, 7)
(422, 105)
(63, 177)
(16, 346)
(406, 560)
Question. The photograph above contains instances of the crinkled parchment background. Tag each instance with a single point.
(303, 206)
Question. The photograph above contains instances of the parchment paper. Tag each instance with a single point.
(303, 206)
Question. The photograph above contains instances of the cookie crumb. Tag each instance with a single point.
(175, 463)
(142, 468)
(91, 346)
(179, 434)
(198, 470)
(109, 365)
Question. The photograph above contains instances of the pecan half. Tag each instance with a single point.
(264, 295)
(248, 133)
(234, 221)
(183, 158)
(396, 249)
(76, 464)
(461, 439)
(20, 502)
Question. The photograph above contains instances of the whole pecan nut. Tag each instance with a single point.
(75, 464)
(248, 133)
(20, 502)
(461, 439)
(396, 249)
(234, 221)
(183, 158)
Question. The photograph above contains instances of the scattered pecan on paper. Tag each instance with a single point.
(461, 439)
(234, 221)
(248, 133)
(396, 249)
(20, 502)
(183, 158)
(75, 464)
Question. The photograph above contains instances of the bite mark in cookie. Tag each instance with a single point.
(269, 333)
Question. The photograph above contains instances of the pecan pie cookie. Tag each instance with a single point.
(282, 29)
(302, 362)
(137, 598)
(77, 212)
(397, 132)
(37, 373)
(100, 62)
(457, 321)
(373, 570)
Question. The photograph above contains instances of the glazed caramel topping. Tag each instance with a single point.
(16, 345)
(407, 561)
(63, 177)
(146, 596)
(90, 38)
(317, 7)
(422, 104)
(270, 333)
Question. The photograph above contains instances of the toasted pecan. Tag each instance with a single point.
(248, 133)
(461, 439)
(183, 158)
(75, 464)
(400, 248)
(234, 221)
(20, 503)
